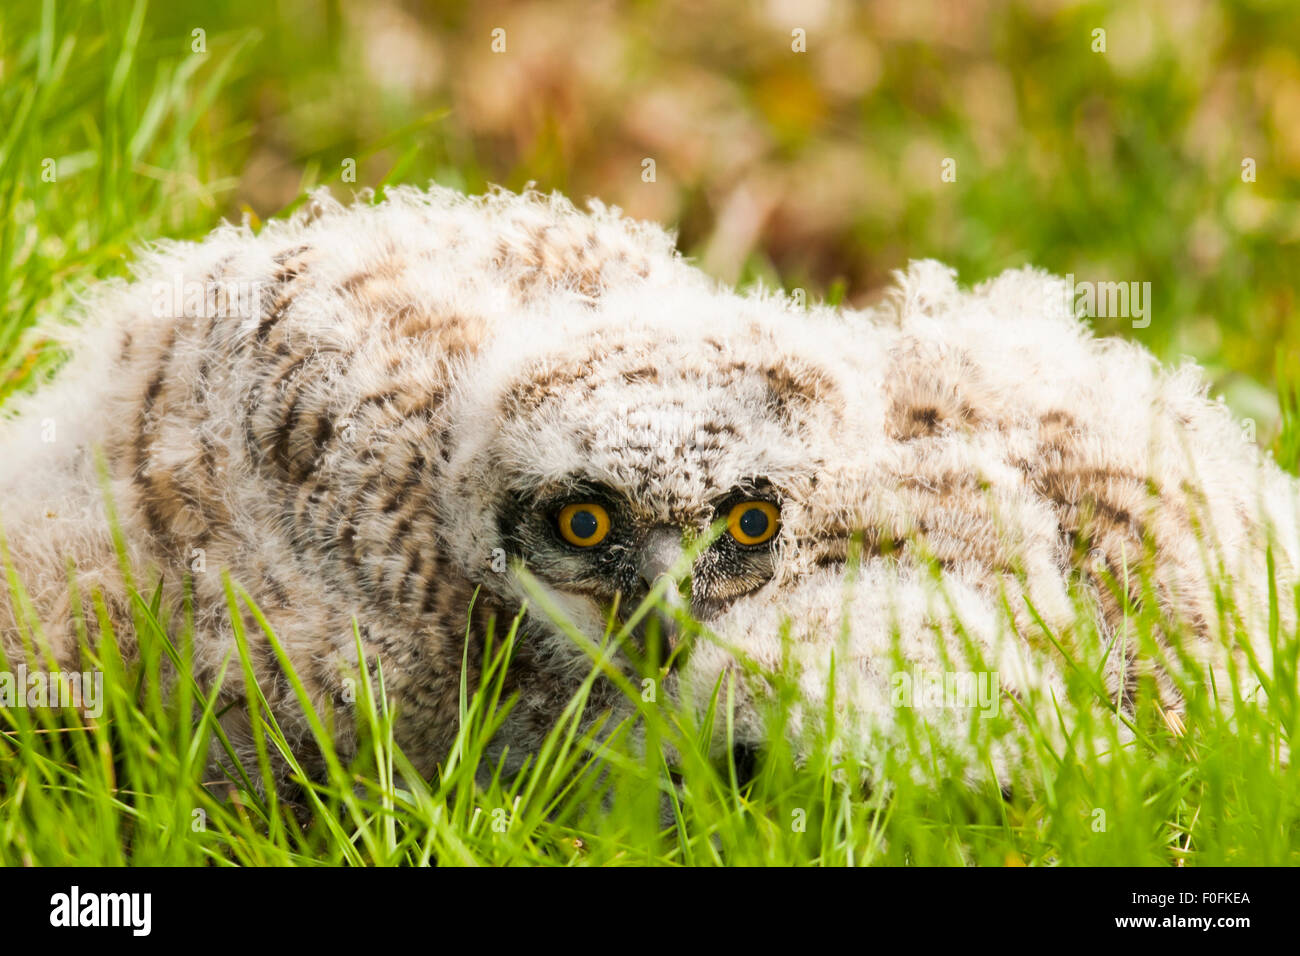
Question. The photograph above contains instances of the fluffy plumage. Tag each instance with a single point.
(359, 411)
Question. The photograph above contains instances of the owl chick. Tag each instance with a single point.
(390, 412)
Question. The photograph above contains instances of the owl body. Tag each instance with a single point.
(372, 418)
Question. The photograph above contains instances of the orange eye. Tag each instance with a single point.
(753, 522)
(583, 524)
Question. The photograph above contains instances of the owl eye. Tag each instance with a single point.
(583, 524)
(753, 522)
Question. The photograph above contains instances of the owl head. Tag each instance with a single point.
(611, 438)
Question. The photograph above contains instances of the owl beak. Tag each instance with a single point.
(660, 558)
(662, 552)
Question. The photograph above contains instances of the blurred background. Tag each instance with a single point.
(818, 144)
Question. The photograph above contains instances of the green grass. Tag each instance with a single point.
(149, 139)
(129, 785)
